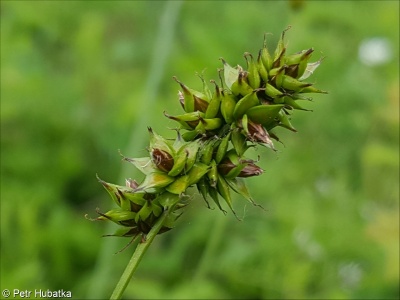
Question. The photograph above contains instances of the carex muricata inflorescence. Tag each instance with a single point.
(217, 127)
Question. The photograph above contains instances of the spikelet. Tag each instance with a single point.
(218, 128)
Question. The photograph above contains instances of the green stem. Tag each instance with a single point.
(138, 255)
(100, 282)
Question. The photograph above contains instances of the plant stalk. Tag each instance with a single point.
(137, 256)
(100, 280)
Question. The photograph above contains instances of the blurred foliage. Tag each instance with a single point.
(73, 76)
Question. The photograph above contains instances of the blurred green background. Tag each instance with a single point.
(82, 79)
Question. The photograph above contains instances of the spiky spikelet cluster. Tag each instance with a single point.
(219, 127)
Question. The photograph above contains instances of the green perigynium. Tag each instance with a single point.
(217, 127)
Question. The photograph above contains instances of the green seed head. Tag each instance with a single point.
(217, 129)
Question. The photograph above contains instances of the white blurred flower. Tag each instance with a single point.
(350, 275)
(375, 51)
(307, 244)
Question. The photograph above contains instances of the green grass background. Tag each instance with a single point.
(82, 79)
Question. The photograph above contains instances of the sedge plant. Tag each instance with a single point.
(218, 125)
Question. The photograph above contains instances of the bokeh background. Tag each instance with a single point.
(82, 79)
